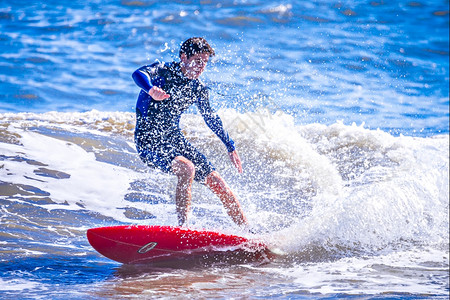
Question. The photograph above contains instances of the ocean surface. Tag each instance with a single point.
(339, 110)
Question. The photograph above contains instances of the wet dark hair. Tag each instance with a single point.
(196, 45)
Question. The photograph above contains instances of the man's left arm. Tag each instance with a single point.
(214, 122)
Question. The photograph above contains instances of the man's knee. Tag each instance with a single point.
(183, 167)
(214, 181)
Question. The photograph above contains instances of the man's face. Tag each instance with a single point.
(194, 65)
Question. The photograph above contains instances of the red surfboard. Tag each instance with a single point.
(140, 244)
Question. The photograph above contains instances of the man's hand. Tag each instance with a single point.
(234, 157)
(158, 94)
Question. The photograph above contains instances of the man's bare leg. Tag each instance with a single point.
(185, 171)
(226, 195)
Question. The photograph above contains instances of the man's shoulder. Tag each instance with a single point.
(162, 69)
(170, 70)
(155, 65)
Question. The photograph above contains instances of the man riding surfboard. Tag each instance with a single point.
(168, 90)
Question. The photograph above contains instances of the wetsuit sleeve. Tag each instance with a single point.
(147, 76)
(214, 122)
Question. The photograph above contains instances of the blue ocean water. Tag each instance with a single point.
(385, 64)
(340, 111)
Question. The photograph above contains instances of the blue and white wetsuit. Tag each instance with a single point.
(158, 136)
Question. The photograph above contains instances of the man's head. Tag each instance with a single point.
(194, 55)
(196, 45)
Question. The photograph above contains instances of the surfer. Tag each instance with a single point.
(167, 90)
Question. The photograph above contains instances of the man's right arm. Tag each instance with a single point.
(143, 77)
(148, 80)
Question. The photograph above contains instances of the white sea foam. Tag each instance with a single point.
(401, 272)
(17, 285)
(403, 198)
(95, 185)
